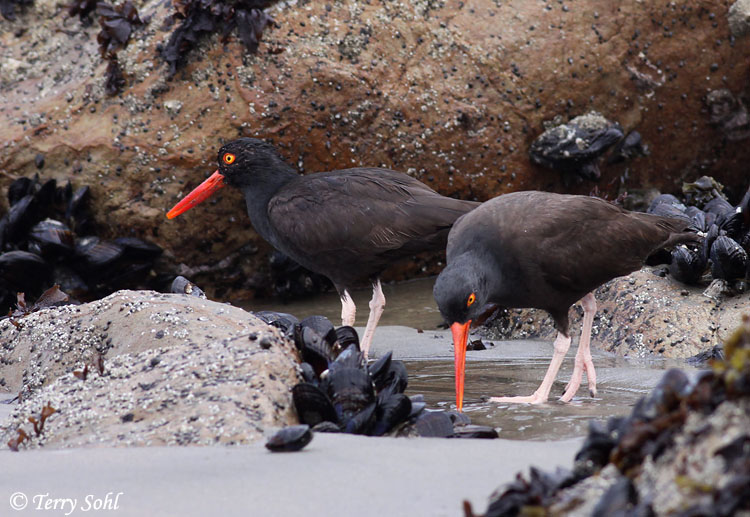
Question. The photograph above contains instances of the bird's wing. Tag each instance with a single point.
(362, 210)
(583, 247)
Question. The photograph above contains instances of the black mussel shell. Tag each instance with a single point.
(46, 193)
(326, 427)
(21, 270)
(308, 373)
(395, 376)
(391, 411)
(280, 320)
(290, 439)
(732, 223)
(434, 424)
(697, 218)
(362, 422)
(76, 199)
(351, 357)
(666, 199)
(97, 253)
(475, 431)
(708, 241)
(687, 265)
(718, 206)
(728, 259)
(458, 418)
(312, 405)
(137, 249)
(52, 238)
(181, 285)
(379, 370)
(321, 325)
(316, 342)
(667, 210)
(575, 146)
(350, 391)
(20, 218)
(69, 281)
(19, 189)
(346, 336)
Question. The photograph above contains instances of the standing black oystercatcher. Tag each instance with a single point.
(348, 225)
(546, 251)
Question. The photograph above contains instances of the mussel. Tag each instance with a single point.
(290, 439)
(575, 147)
(728, 259)
(687, 265)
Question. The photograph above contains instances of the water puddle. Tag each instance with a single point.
(505, 369)
(620, 386)
(407, 303)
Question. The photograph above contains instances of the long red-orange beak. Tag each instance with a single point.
(198, 195)
(460, 336)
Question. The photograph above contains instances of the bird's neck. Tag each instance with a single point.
(265, 183)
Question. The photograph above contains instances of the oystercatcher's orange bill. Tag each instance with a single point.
(198, 195)
(460, 333)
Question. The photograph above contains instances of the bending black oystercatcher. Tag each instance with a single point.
(348, 225)
(546, 251)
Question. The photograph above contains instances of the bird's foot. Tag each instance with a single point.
(536, 398)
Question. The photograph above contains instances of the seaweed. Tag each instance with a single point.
(203, 17)
(117, 25)
(38, 424)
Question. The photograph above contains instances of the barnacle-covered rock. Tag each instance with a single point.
(576, 146)
(684, 450)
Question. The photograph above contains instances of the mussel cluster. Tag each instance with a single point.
(725, 248)
(649, 432)
(341, 392)
(47, 237)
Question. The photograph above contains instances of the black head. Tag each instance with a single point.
(460, 292)
(242, 160)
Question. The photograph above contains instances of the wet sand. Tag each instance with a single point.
(336, 475)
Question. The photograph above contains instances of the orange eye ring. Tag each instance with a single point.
(471, 300)
(229, 158)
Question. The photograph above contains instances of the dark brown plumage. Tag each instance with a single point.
(348, 225)
(546, 251)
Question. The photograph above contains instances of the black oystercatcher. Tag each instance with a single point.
(547, 251)
(348, 225)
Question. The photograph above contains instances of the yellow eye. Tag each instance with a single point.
(229, 158)
(471, 300)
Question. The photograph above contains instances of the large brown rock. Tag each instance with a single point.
(450, 92)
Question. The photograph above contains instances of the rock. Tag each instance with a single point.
(176, 370)
(638, 315)
(684, 450)
(452, 93)
(739, 18)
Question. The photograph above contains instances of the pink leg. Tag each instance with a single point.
(583, 360)
(348, 309)
(562, 343)
(377, 304)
